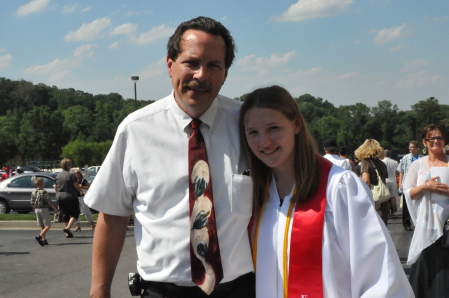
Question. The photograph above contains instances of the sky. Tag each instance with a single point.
(344, 51)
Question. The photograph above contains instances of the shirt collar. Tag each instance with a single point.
(208, 117)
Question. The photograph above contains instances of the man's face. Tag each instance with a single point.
(198, 72)
(413, 149)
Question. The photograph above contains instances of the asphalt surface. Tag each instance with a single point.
(63, 269)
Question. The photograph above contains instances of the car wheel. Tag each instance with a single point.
(4, 207)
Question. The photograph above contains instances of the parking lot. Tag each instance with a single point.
(63, 269)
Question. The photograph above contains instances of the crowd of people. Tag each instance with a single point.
(313, 225)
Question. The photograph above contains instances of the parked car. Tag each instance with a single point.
(92, 171)
(31, 169)
(15, 192)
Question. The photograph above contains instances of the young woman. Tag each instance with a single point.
(316, 232)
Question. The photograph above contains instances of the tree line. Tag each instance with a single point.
(40, 122)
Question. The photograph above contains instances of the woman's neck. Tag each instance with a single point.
(285, 181)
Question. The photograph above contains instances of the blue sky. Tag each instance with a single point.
(345, 51)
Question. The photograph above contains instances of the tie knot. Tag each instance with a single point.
(195, 123)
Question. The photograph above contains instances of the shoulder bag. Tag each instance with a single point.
(380, 191)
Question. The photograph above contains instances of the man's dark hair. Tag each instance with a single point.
(387, 153)
(343, 151)
(207, 25)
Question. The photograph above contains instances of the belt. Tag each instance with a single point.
(170, 289)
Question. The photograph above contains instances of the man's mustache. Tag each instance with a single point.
(197, 85)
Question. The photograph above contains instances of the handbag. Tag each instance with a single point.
(58, 218)
(380, 191)
(445, 237)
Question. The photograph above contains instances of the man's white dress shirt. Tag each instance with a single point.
(146, 172)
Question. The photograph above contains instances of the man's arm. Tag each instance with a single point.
(401, 176)
(108, 243)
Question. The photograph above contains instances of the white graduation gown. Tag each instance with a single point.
(359, 257)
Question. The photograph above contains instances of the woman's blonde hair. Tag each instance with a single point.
(370, 149)
(307, 159)
(66, 164)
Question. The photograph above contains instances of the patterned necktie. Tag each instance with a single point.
(205, 260)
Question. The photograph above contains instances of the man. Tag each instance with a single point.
(147, 171)
(331, 150)
(403, 168)
(392, 166)
(19, 170)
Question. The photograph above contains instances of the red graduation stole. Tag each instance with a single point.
(305, 275)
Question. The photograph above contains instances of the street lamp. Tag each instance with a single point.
(135, 79)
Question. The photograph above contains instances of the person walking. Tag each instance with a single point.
(392, 166)
(84, 185)
(67, 192)
(41, 202)
(403, 167)
(370, 152)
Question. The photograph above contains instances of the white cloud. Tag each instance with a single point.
(261, 65)
(311, 9)
(387, 35)
(357, 41)
(127, 28)
(88, 31)
(55, 70)
(114, 45)
(397, 48)
(349, 75)
(312, 71)
(436, 19)
(5, 60)
(157, 69)
(415, 65)
(84, 51)
(32, 7)
(87, 8)
(2, 50)
(417, 80)
(153, 34)
(69, 9)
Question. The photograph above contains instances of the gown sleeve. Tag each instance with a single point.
(359, 256)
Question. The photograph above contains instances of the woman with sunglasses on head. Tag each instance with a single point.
(315, 231)
(429, 275)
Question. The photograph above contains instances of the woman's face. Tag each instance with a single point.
(434, 141)
(78, 175)
(271, 137)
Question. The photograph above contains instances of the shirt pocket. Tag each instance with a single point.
(242, 195)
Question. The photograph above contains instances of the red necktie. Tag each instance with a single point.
(205, 260)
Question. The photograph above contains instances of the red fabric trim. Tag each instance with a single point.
(305, 278)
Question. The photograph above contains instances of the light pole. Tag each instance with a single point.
(135, 79)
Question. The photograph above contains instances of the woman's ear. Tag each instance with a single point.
(297, 125)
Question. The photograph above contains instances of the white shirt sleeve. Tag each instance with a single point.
(111, 192)
(359, 257)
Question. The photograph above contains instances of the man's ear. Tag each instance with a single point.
(225, 76)
(169, 65)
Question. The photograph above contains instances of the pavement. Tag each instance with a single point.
(63, 268)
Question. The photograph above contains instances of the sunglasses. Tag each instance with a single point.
(435, 139)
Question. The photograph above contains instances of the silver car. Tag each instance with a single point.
(15, 192)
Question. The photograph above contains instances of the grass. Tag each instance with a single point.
(33, 217)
